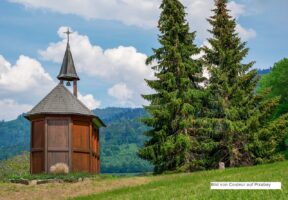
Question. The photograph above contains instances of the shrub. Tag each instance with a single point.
(59, 168)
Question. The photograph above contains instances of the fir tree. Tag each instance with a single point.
(177, 96)
(267, 134)
(238, 117)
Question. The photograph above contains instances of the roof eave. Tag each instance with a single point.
(98, 122)
(68, 77)
(95, 120)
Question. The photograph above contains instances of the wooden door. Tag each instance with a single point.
(57, 142)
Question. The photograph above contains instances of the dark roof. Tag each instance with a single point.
(68, 71)
(61, 101)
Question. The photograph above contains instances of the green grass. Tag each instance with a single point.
(70, 176)
(45, 176)
(16, 166)
(197, 185)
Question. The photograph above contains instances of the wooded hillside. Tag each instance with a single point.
(120, 141)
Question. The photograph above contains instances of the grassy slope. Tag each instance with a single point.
(196, 185)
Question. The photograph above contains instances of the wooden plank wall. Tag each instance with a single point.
(81, 146)
(37, 164)
(98, 151)
(57, 141)
(95, 151)
(65, 139)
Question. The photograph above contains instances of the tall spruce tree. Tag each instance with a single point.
(177, 96)
(238, 117)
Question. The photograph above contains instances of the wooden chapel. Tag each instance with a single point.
(63, 129)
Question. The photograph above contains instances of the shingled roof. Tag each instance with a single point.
(61, 101)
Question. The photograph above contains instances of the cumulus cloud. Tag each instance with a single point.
(121, 67)
(129, 12)
(199, 10)
(10, 109)
(236, 9)
(27, 73)
(122, 93)
(89, 101)
(117, 65)
(4, 65)
(143, 13)
(245, 34)
(27, 81)
(120, 62)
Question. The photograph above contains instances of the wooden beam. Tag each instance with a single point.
(37, 149)
(70, 144)
(98, 149)
(75, 90)
(90, 147)
(78, 150)
(46, 145)
(31, 140)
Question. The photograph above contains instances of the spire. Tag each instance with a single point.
(68, 71)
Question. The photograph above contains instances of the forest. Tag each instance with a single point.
(119, 142)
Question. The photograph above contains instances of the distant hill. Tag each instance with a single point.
(119, 142)
(14, 137)
(263, 71)
(109, 115)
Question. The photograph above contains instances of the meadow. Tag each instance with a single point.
(197, 185)
(169, 186)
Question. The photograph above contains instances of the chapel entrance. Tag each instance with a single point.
(57, 142)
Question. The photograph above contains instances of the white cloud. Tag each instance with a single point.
(130, 12)
(89, 101)
(122, 93)
(143, 13)
(27, 73)
(4, 65)
(10, 109)
(236, 9)
(27, 81)
(117, 65)
(245, 34)
(199, 10)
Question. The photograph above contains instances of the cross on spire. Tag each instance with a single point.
(68, 32)
(68, 71)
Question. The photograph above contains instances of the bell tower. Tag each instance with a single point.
(68, 72)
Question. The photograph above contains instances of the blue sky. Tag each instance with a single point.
(110, 43)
